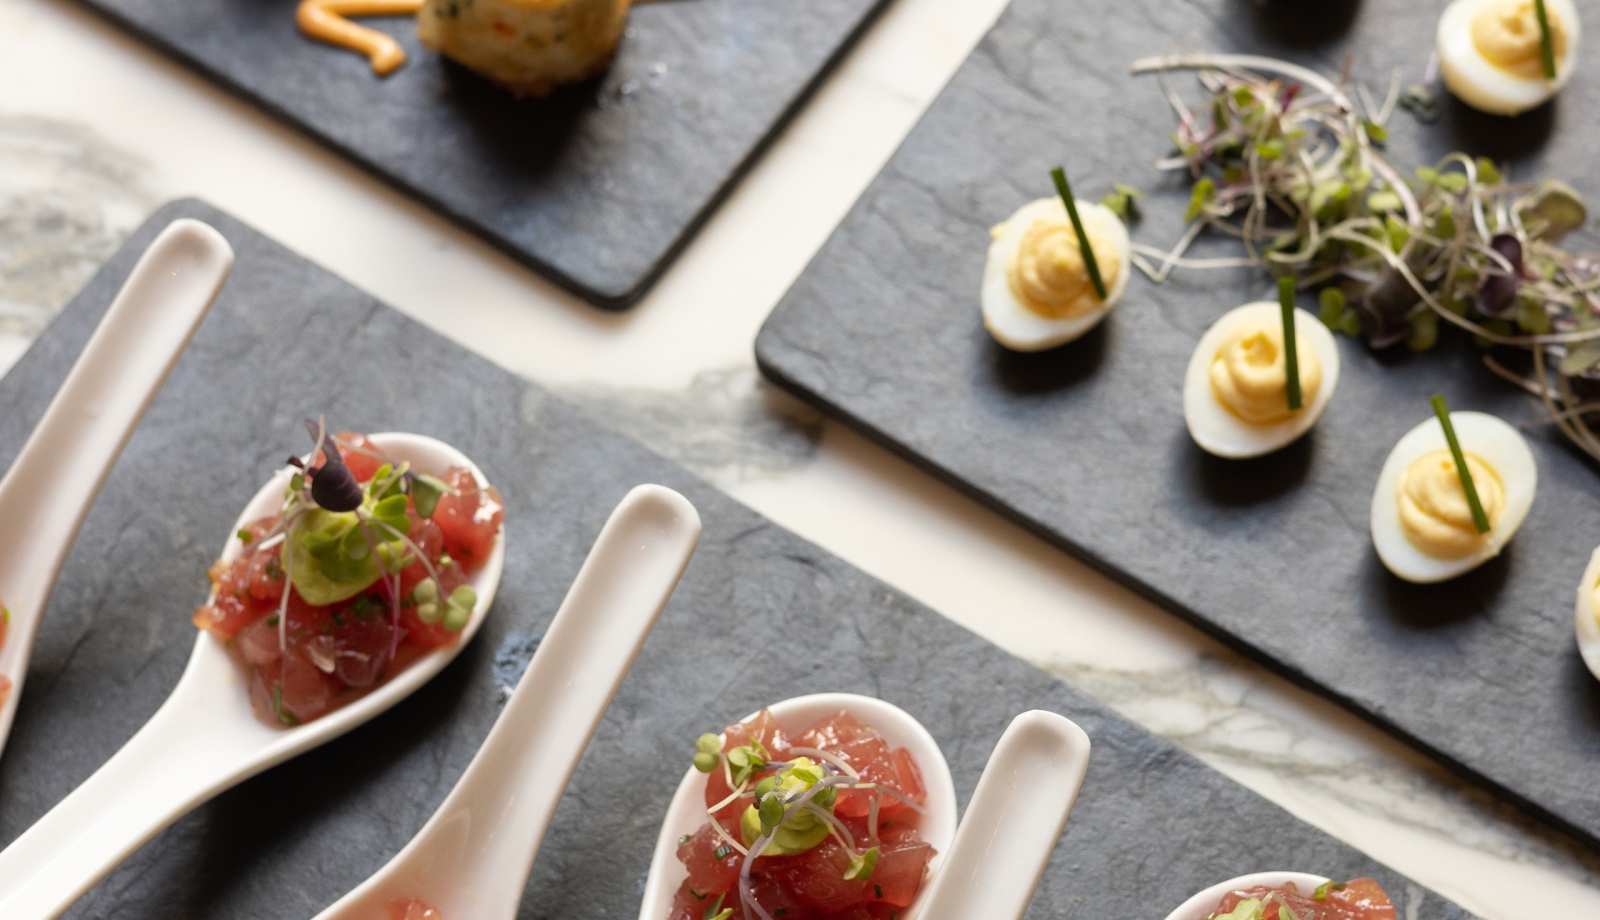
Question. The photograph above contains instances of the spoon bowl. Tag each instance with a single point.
(687, 812)
(205, 738)
(1202, 904)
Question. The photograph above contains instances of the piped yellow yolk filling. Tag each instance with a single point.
(1047, 272)
(1434, 513)
(1250, 379)
(1506, 33)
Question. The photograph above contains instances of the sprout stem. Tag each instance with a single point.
(1065, 191)
(1547, 44)
(1291, 344)
(1479, 519)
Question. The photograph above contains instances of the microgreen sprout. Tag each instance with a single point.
(716, 911)
(1479, 519)
(1287, 162)
(1089, 261)
(1321, 894)
(793, 810)
(1291, 346)
(1547, 44)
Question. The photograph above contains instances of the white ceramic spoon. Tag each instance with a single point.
(46, 494)
(1012, 823)
(1586, 623)
(687, 812)
(1202, 904)
(471, 860)
(204, 738)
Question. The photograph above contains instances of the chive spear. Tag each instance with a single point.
(1065, 191)
(1291, 345)
(1547, 44)
(1479, 519)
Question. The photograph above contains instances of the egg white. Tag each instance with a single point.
(1492, 441)
(1014, 325)
(1587, 625)
(1482, 85)
(1213, 426)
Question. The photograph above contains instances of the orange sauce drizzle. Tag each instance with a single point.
(325, 21)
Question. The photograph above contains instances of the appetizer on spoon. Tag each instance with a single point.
(46, 494)
(217, 730)
(471, 860)
(1274, 895)
(848, 797)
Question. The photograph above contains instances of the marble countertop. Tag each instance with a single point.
(97, 129)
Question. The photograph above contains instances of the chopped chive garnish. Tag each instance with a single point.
(1547, 43)
(245, 536)
(1065, 191)
(1291, 350)
(1479, 519)
(721, 852)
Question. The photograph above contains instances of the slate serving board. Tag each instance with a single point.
(598, 186)
(287, 338)
(1086, 444)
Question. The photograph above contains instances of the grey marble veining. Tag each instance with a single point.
(67, 200)
(727, 426)
(286, 338)
(597, 186)
(1086, 444)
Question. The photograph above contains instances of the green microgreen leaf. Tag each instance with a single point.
(425, 493)
(284, 715)
(1375, 132)
(1331, 303)
(1547, 42)
(1479, 519)
(1204, 191)
(1089, 261)
(1291, 351)
(1488, 173)
(1321, 894)
(1384, 201)
(1123, 201)
(861, 866)
(708, 744)
(771, 811)
(716, 910)
(245, 536)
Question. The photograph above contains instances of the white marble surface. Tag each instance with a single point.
(96, 129)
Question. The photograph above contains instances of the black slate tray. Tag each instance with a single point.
(1086, 444)
(287, 338)
(598, 186)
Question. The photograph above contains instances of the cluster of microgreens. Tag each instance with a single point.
(820, 774)
(1251, 909)
(1290, 166)
(332, 487)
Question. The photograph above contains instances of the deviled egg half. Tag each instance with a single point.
(1588, 619)
(1490, 52)
(1037, 293)
(1236, 391)
(1422, 523)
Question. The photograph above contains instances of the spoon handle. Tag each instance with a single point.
(157, 777)
(1013, 821)
(46, 494)
(473, 857)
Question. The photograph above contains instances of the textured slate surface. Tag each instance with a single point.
(599, 185)
(1086, 444)
(286, 338)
